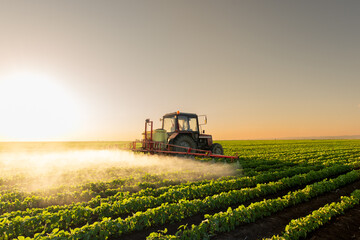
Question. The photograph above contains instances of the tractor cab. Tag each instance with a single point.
(180, 122)
(183, 129)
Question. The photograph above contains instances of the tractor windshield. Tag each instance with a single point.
(188, 124)
(169, 124)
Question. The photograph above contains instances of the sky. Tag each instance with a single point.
(90, 70)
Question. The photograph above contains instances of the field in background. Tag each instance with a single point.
(80, 190)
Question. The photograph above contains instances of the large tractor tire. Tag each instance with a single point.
(184, 141)
(216, 148)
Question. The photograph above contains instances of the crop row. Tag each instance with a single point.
(185, 208)
(264, 166)
(299, 228)
(193, 190)
(229, 220)
(15, 200)
(189, 191)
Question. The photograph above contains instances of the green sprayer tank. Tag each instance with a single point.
(160, 135)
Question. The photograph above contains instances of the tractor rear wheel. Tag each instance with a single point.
(184, 141)
(216, 148)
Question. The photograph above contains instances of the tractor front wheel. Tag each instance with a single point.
(216, 148)
(184, 142)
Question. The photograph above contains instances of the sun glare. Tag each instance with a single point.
(35, 107)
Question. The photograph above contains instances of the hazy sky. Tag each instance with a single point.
(95, 70)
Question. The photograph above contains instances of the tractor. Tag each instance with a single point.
(181, 134)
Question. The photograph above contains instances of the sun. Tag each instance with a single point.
(36, 107)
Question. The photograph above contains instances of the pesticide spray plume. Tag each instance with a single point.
(38, 170)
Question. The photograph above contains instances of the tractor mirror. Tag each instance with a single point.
(202, 119)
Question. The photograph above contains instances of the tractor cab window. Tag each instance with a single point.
(193, 125)
(169, 124)
(183, 123)
(187, 123)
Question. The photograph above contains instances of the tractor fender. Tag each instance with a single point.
(172, 137)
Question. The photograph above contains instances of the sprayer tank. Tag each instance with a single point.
(160, 135)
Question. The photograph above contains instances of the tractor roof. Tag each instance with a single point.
(180, 114)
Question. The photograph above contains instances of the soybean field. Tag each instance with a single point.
(277, 189)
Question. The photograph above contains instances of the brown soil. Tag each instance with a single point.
(344, 227)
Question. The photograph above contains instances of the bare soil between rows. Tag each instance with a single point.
(266, 227)
(343, 227)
